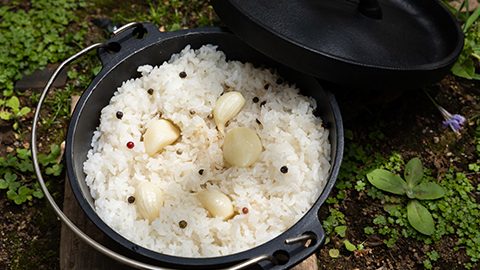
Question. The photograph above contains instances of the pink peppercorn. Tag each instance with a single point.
(130, 145)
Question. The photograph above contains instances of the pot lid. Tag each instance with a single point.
(365, 44)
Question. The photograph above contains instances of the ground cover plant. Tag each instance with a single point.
(368, 225)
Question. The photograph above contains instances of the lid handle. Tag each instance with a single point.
(370, 8)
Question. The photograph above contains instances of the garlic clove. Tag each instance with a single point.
(148, 200)
(159, 133)
(216, 203)
(227, 106)
(241, 147)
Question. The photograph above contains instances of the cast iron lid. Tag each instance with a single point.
(370, 44)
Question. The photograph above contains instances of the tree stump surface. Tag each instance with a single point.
(75, 254)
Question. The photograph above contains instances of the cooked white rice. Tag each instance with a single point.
(291, 136)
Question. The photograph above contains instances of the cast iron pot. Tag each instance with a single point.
(143, 44)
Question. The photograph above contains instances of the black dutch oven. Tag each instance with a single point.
(259, 24)
(144, 44)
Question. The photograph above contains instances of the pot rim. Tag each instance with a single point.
(172, 260)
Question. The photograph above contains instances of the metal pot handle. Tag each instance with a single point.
(49, 197)
(91, 242)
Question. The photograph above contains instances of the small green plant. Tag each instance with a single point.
(433, 256)
(334, 253)
(465, 65)
(31, 39)
(14, 167)
(335, 220)
(10, 109)
(418, 215)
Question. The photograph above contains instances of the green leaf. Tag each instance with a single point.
(23, 153)
(11, 194)
(54, 150)
(428, 191)
(473, 17)
(4, 115)
(3, 184)
(334, 253)
(24, 111)
(327, 240)
(23, 190)
(419, 217)
(10, 177)
(387, 181)
(38, 194)
(349, 246)
(13, 186)
(341, 230)
(96, 70)
(13, 103)
(8, 92)
(464, 69)
(474, 167)
(413, 172)
(25, 166)
(51, 157)
(55, 170)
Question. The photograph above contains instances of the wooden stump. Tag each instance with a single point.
(74, 253)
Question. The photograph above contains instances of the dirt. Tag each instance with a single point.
(29, 234)
(412, 127)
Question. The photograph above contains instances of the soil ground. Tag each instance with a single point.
(29, 234)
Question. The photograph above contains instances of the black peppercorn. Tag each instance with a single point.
(192, 112)
(182, 74)
(201, 171)
(182, 224)
(263, 103)
(255, 99)
(119, 114)
(131, 199)
(150, 91)
(284, 169)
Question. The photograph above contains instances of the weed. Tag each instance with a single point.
(465, 65)
(456, 213)
(14, 167)
(415, 189)
(10, 110)
(433, 255)
(173, 15)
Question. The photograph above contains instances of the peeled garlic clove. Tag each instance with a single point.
(227, 106)
(149, 200)
(241, 147)
(160, 133)
(216, 203)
